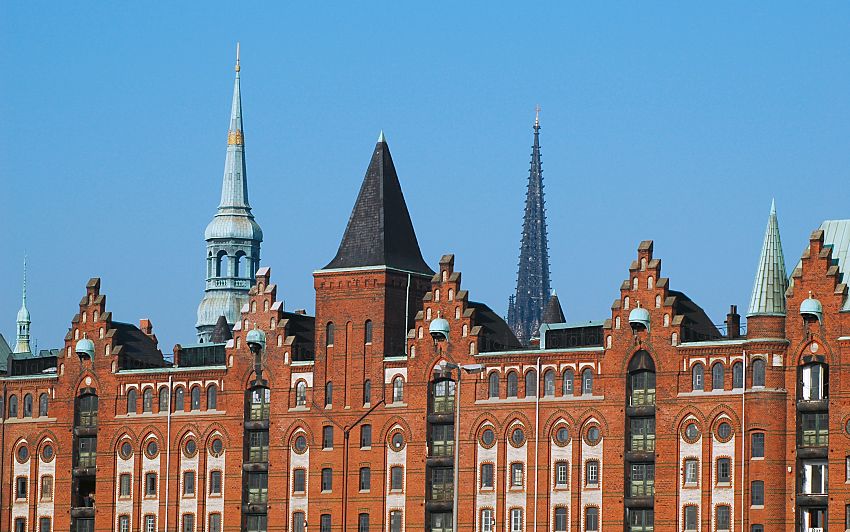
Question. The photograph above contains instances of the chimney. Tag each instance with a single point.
(733, 323)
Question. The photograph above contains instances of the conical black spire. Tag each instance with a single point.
(553, 313)
(525, 309)
(221, 333)
(379, 231)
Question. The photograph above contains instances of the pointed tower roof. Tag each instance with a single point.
(379, 231)
(221, 333)
(22, 340)
(553, 313)
(771, 278)
(24, 313)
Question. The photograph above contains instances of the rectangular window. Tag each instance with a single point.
(640, 520)
(150, 484)
(150, 523)
(44, 524)
(486, 476)
(124, 523)
(366, 436)
(327, 479)
(365, 479)
(757, 446)
(124, 483)
(722, 518)
(258, 446)
(846, 516)
(814, 476)
(691, 471)
(256, 523)
(395, 521)
(47, 488)
(516, 520)
(396, 478)
(325, 523)
(642, 434)
(690, 518)
(188, 483)
(642, 482)
(258, 487)
(188, 523)
(299, 481)
(757, 493)
(442, 440)
(299, 522)
(517, 476)
(86, 452)
(442, 483)
(815, 429)
(327, 437)
(591, 520)
(215, 523)
(215, 483)
(20, 525)
(591, 475)
(363, 523)
(561, 474)
(724, 470)
(487, 520)
(760, 528)
(21, 488)
(560, 520)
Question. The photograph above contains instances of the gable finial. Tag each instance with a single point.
(237, 56)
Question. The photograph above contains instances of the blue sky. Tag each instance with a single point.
(676, 122)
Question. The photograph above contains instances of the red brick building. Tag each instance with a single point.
(403, 399)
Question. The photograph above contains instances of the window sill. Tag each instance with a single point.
(690, 485)
(365, 447)
(723, 485)
(561, 487)
(757, 458)
(757, 507)
(364, 491)
(326, 491)
(396, 405)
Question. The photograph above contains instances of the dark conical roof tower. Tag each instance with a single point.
(525, 308)
(379, 231)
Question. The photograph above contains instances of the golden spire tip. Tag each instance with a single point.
(537, 116)
(237, 56)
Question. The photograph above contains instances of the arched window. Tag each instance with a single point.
(549, 383)
(212, 397)
(650, 282)
(657, 301)
(737, 375)
(367, 331)
(697, 378)
(428, 313)
(260, 406)
(626, 303)
(717, 375)
(444, 396)
(196, 398)
(641, 379)
(617, 322)
(220, 263)
(237, 265)
(163, 399)
(253, 306)
(437, 294)
(132, 401)
(13, 407)
(301, 393)
(465, 330)
(42, 405)
(531, 383)
(329, 334)
(451, 295)
(367, 392)
(758, 372)
(493, 385)
(513, 384)
(329, 394)
(567, 384)
(457, 313)
(814, 382)
(179, 396)
(635, 283)
(587, 381)
(398, 390)
(147, 400)
(28, 405)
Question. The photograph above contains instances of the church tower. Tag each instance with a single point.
(233, 236)
(22, 343)
(525, 308)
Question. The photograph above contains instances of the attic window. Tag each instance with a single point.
(650, 282)
(96, 315)
(437, 293)
(465, 330)
(617, 322)
(666, 320)
(266, 305)
(428, 313)
(445, 275)
(451, 295)
(279, 340)
(106, 350)
(626, 303)
(635, 284)
(253, 306)
(658, 301)
(84, 316)
(643, 264)
(457, 313)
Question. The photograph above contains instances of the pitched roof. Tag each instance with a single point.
(495, 334)
(836, 234)
(771, 277)
(379, 231)
(221, 333)
(553, 313)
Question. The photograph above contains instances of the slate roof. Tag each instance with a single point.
(553, 313)
(696, 325)
(221, 333)
(135, 349)
(379, 231)
(496, 335)
(5, 351)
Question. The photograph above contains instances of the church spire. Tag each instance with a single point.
(771, 278)
(525, 308)
(22, 344)
(233, 236)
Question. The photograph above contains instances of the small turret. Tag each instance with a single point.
(811, 309)
(22, 343)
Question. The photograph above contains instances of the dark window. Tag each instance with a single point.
(513, 384)
(758, 372)
(560, 519)
(757, 493)
(724, 470)
(256, 523)
(215, 523)
(486, 475)
(215, 483)
(757, 447)
(132, 401)
(642, 483)
(179, 404)
(642, 433)
(299, 481)
(329, 394)
(21, 488)
(815, 429)
(212, 397)
(366, 436)
(367, 392)
(396, 478)
(163, 399)
(549, 383)
(442, 440)
(258, 446)
(717, 374)
(442, 483)
(86, 452)
(299, 522)
(737, 375)
(697, 383)
(641, 520)
(124, 523)
(20, 525)
(13, 407)
(42, 409)
(722, 518)
(196, 398)
(567, 384)
(367, 331)
(327, 479)
(760, 528)
(395, 521)
(258, 487)
(365, 479)
(188, 483)
(329, 334)
(28, 405)
(363, 523)
(327, 437)
(325, 523)
(124, 485)
(591, 519)
(531, 383)
(690, 517)
(444, 396)
(150, 484)
(47, 488)
(493, 388)
(642, 388)
(587, 382)
(188, 523)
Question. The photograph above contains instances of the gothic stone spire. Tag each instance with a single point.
(525, 308)
(771, 281)
(233, 236)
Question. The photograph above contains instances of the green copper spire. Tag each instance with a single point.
(771, 278)
(22, 344)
